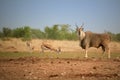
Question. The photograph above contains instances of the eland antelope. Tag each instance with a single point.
(89, 39)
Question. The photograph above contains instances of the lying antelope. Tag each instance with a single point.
(89, 39)
(46, 46)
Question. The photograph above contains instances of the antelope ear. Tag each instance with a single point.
(77, 28)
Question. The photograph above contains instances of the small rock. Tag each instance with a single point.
(91, 72)
(64, 73)
(51, 62)
(59, 62)
(94, 67)
(35, 77)
(118, 75)
(83, 77)
(68, 62)
(55, 75)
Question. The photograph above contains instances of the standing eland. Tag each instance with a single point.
(89, 39)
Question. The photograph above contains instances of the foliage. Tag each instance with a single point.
(60, 32)
(118, 36)
(7, 32)
(37, 33)
(1, 34)
(114, 37)
(57, 31)
(27, 33)
(18, 32)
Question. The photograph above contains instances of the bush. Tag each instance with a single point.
(58, 32)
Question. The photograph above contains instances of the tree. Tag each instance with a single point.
(27, 33)
(22, 32)
(64, 31)
(118, 36)
(47, 31)
(60, 32)
(18, 32)
(7, 32)
(37, 33)
(55, 32)
(1, 34)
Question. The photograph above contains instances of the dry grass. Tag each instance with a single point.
(18, 45)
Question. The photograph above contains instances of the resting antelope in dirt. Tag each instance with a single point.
(89, 39)
(46, 46)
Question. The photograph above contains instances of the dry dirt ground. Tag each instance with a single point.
(32, 68)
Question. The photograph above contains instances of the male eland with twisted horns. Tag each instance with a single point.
(89, 39)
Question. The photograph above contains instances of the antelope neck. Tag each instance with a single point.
(82, 35)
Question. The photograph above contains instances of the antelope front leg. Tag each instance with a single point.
(107, 50)
(42, 51)
(86, 55)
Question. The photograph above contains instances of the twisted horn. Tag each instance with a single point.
(82, 25)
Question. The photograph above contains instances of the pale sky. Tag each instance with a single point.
(97, 15)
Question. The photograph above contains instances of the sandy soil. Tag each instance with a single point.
(31, 68)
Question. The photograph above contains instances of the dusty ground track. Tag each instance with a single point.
(31, 68)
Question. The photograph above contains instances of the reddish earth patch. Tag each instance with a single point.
(32, 68)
